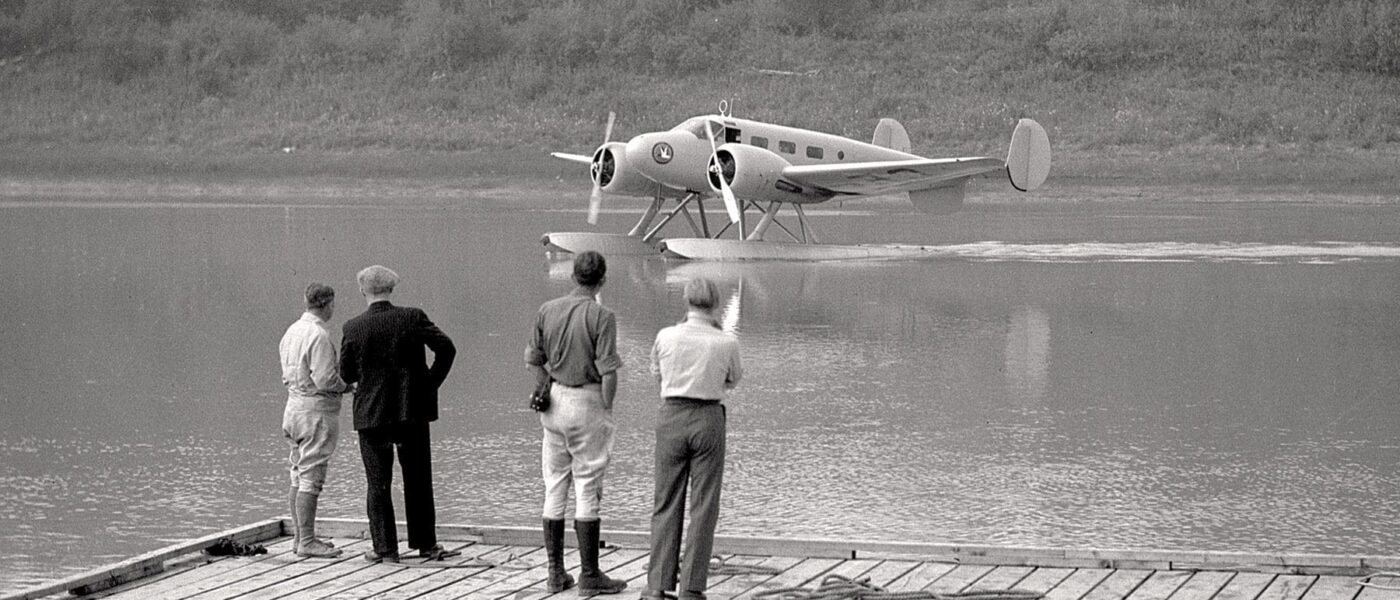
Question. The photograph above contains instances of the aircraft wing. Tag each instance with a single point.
(889, 177)
(578, 158)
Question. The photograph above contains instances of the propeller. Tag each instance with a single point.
(730, 203)
(595, 200)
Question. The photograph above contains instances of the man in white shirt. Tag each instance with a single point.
(311, 421)
(696, 363)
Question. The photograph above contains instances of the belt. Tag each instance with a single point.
(689, 400)
(586, 386)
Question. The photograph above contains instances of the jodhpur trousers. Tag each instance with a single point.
(377, 448)
(689, 451)
(577, 446)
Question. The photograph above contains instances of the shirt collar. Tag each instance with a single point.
(699, 318)
(311, 317)
(381, 305)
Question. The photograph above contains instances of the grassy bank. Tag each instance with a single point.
(1255, 93)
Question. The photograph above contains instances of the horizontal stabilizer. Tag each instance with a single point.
(1028, 160)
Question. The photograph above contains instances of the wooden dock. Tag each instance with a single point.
(508, 562)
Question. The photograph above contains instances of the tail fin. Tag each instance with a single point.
(1028, 160)
(890, 134)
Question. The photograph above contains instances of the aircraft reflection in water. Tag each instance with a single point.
(751, 164)
(872, 318)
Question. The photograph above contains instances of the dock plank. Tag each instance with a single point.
(334, 575)
(1333, 587)
(1001, 578)
(375, 581)
(1245, 586)
(629, 565)
(920, 576)
(1078, 584)
(1160, 585)
(1203, 585)
(1043, 579)
(802, 574)
(448, 584)
(958, 579)
(293, 570)
(1288, 587)
(215, 575)
(889, 570)
(1118, 585)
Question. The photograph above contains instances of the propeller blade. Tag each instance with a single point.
(731, 204)
(595, 199)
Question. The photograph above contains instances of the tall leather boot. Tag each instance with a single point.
(559, 578)
(307, 544)
(591, 580)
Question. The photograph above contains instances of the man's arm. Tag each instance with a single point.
(609, 389)
(324, 372)
(444, 352)
(736, 370)
(349, 365)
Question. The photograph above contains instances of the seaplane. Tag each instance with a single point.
(761, 167)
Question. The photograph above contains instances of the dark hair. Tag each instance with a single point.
(319, 295)
(589, 268)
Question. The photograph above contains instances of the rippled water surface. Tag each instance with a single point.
(1190, 376)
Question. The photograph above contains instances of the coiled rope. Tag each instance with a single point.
(838, 587)
(1366, 581)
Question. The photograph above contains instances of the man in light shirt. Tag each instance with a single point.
(696, 363)
(311, 421)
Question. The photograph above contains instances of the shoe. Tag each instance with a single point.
(437, 552)
(376, 557)
(315, 548)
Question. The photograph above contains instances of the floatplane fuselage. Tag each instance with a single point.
(754, 165)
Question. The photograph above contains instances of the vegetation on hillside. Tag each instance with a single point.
(237, 75)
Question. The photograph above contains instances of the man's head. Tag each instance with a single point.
(377, 281)
(320, 299)
(590, 269)
(701, 294)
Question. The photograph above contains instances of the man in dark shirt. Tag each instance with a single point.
(574, 344)
(395, 399)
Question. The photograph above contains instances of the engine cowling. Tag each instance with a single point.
(613, 174)
(754, 173)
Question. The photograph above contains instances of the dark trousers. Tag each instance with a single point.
(377, 447)
(689, 452)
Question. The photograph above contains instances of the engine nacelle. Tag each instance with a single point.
(754, 173)
(615, 176)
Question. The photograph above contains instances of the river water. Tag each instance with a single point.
(1218, 376)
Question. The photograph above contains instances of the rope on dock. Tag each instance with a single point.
(838, 587)
(1366, 582)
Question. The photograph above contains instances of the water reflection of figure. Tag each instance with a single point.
(311, 420)
(574, 344)
(696, 362)
(395, 400)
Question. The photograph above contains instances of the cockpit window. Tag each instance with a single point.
(696, 126)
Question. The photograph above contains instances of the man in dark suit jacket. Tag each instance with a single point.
(395, 399)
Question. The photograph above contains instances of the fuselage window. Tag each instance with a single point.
(787, 147)
(840, 155)
(814, 152)
(760, 141)
(731, 135)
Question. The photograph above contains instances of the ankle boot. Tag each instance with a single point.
(307, 544)
(559, 578)
(591, 580)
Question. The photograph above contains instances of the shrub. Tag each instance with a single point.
(447, 38)
(335, 42)
(214, 47)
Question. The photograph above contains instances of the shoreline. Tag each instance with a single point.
(531, 179)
